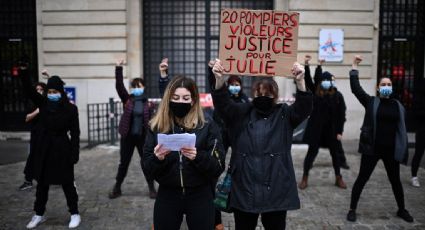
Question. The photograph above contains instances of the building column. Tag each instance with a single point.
(286, 85)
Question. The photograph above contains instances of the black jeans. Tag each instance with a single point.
(340, 153)
(270, 220)
(42, 195)
(419, 148)
(367, 165)
(313, 150)
(127, 146)
(196, 204)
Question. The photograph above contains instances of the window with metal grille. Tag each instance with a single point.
(401, 47)
(187, 32)
(18, 42)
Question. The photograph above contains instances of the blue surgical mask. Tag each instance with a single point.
(54, 96)
(325, 85)
(333, 83)
(137, 91)
(385, 91)
(234, 89)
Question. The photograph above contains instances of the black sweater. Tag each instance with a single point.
(387, 119)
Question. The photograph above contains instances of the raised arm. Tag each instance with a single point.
(163, 79)
(119, 82)
(318, 73)
(227, 109)
(356, 88)
(211, 77)
(303, 105)
(30, 91)
(308, 80)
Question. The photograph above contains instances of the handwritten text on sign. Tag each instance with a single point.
(258, 42)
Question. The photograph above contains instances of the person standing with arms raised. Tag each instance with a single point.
(383, 137)
(263, 178)
(132, 128)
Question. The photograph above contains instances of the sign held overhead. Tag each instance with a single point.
(258, 42)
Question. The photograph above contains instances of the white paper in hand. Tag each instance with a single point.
(175, 142)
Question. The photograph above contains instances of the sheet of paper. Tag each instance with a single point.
(175, 142)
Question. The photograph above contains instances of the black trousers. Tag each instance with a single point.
(42, 195)
(340, 153)
(270, 220)
(367, 165)
(313, 150)
(419, 148)
(196, 204)
(127, 146)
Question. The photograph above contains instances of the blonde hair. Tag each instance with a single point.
(163, 121)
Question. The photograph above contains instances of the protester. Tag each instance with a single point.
(235, 87)
(419, 112)
(33, 120)
(163, 82)
(326, 123)
(55, 153)
(263, 178)
(132, 127)
(187, 177)
(383, 137)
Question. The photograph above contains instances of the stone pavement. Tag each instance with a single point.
(324, 206)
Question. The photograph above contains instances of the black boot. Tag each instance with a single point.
(152, 190)
(351, 216)
(404, 214)
(115, 192)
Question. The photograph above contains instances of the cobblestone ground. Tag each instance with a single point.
(324, 206)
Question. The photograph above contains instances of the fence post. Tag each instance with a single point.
(112, 119)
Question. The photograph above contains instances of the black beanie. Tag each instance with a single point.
(55, 82)
(326, 76)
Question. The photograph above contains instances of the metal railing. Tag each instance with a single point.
(103, 120)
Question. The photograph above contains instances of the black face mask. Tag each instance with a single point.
(180, 110)
(263, 104)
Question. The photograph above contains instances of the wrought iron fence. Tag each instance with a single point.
(103, 120)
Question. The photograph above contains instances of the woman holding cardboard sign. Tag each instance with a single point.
(187, 177)
(263, 178)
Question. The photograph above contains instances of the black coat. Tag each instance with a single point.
(263, 178)
(57, 143)
(328, 116)
(368, 129)
(203, 170)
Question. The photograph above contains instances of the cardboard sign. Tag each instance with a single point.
(258, 42)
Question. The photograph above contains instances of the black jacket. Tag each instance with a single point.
(368, 129)
(203, 170)
(328, 116)
(263, 178)
(55, 151)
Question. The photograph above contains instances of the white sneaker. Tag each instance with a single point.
(35, 220)
(415, 182)
(75, 221)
